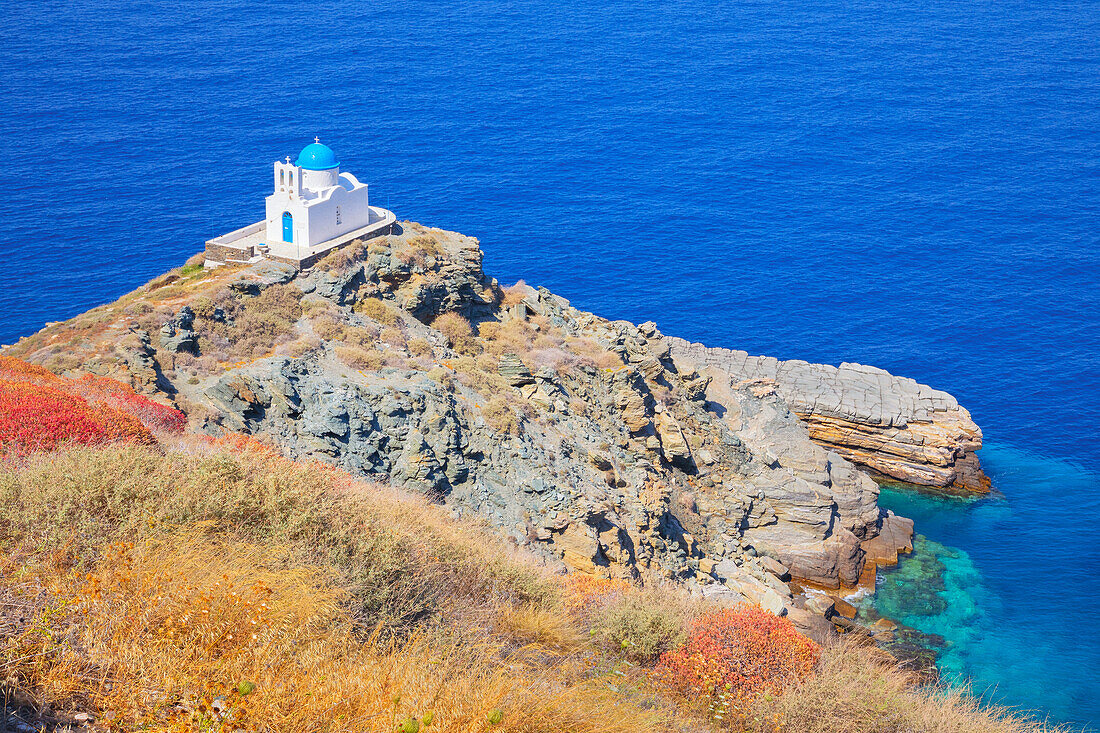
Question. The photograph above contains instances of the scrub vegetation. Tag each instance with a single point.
(186, 583)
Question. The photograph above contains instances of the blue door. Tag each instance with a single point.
(288, 227)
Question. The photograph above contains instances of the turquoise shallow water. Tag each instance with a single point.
(1014, 616)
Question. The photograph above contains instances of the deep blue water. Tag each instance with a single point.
(911, 184)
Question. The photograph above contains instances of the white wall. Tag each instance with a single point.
(314, 210)
(354, 213)
(320, 180)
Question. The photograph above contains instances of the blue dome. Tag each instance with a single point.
(317, 157)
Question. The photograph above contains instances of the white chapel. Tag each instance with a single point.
(313, 208)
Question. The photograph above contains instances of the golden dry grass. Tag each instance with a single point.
(401, 559)
(513, 294)
(859, 689)
(540, 625)
(166, 626)
(214, 585)
(165, 602)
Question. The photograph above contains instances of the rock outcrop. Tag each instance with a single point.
(891, 425)
(585, 440)
(603, 444)
(601, 472)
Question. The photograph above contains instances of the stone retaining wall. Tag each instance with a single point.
(312, 260)
(221, 253)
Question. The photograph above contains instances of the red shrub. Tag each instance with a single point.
(39, 417)
(733, 655)
(121, 397)
(42, 411)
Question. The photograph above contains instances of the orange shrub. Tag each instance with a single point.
(734, 655)
(241, 443)
(19, 370)
(581, 591)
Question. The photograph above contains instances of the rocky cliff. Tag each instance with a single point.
(893, 426)
(605, 444)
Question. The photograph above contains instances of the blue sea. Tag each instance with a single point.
(913, 184)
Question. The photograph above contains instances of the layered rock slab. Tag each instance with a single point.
(893, 426)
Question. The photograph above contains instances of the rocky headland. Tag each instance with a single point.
(891, 426)
(606, 445)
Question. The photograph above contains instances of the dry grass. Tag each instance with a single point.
(377, 310)
(544, 344)
(254, 326)
(458, 333)
(861, 690)
(401, 561)
(480, 374)
(501, 417)
(643, 624)
(540, 625)
(165, 626)
(513, 336)
(359, 358)
(223, 573)
(513, 294)
(343, 258)
(420, 347)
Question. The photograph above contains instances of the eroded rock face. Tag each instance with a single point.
(891, 425)
(638, 464)
(602, 443)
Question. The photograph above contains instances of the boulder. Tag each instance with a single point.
(820, 604)
(775, 567)
(633, 409)
(845, 609)
(723, 596)
(812, 625)
(514, 371)
(176, 335)
(831, 562)
(894, 536)
(258, 277)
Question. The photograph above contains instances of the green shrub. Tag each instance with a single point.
(643, 625)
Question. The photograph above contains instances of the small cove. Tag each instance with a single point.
(1019, 643)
